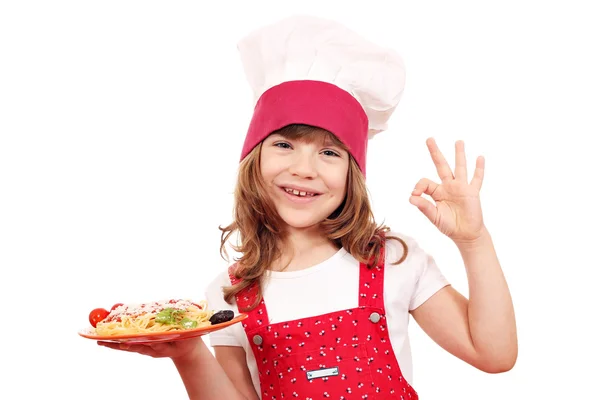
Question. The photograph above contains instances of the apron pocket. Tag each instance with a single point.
(336, 373)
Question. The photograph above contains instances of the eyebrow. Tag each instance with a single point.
(331, 143)
(327, 142)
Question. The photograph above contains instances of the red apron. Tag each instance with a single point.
(341, 355)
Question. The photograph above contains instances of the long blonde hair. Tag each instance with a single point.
(261, 234)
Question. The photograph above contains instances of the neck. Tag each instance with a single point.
(303, 248)
(303, 240)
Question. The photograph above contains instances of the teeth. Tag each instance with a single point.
(298, 193)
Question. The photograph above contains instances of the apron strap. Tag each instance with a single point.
(370, 291)
(258, 316)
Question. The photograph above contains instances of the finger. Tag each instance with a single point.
(132, 348)
(441, 165)
(428, 209)
(477, 180)
(110, 345)
(460, 160)
(430, 188)
(161, 347)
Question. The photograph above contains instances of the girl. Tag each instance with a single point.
(329, 292)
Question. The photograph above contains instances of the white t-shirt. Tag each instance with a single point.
(332, 286)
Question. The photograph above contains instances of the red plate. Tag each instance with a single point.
(155, 337)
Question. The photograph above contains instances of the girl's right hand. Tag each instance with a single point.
(175, 350)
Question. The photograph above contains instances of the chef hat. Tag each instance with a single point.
(314, 71)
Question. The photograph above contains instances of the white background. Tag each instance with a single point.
(121, 124)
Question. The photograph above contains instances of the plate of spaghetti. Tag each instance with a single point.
(159, 321)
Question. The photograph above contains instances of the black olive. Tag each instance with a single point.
(221, 316)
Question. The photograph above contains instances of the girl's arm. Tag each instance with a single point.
(233, 360)
(224, 376)
(204, 376)
(481, 330)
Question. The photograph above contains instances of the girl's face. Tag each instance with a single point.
(306, 180)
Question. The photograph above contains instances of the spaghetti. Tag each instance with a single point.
(160, 316)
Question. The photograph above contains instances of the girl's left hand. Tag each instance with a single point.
(457, 210)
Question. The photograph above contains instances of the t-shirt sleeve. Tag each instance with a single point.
(425, 277)
(215, 300)
(430, 280)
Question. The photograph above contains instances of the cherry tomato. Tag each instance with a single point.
(116, 305)
(97, 315)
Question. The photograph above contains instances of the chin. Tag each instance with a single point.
(301, 220)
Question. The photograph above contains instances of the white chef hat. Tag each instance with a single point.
(296, 68)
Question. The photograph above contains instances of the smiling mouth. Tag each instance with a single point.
(299, 193)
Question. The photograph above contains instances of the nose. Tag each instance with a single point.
(303, 165)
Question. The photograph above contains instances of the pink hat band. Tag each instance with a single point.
(317, 103)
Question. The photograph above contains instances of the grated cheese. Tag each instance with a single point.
(143, 308)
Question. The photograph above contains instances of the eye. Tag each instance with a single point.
(330, 153)
(282, 145)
